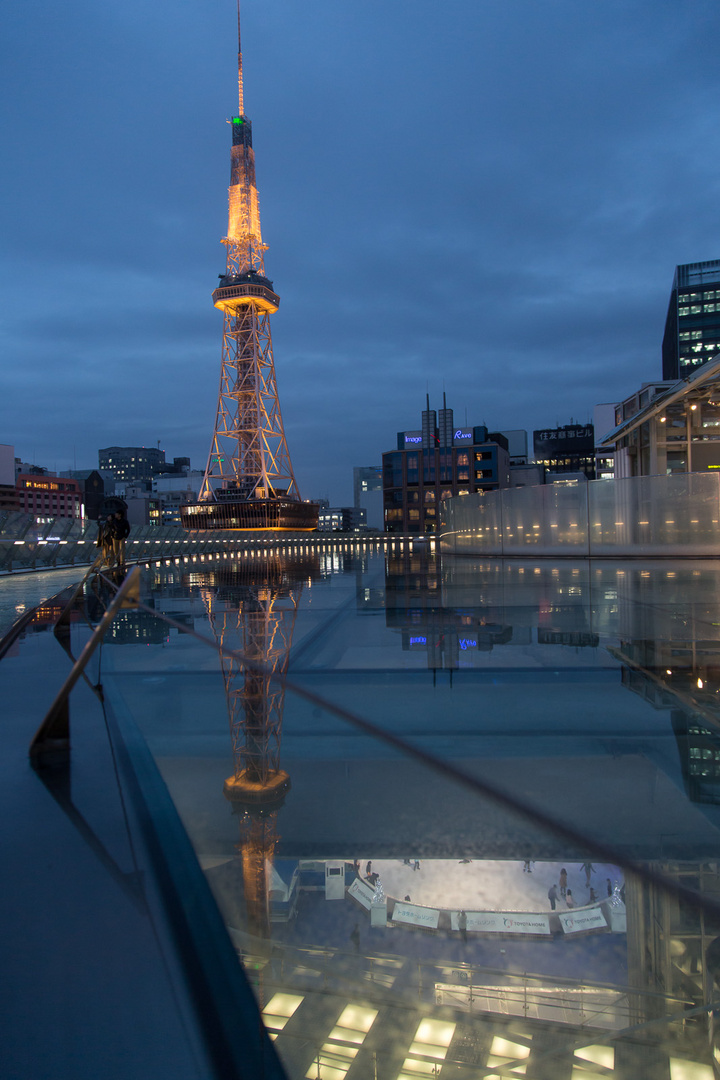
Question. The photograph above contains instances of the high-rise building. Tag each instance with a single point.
(132, 462)
(435, 462)
(692, 326)
(249, 481)
(367, 493)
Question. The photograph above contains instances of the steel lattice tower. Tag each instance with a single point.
(249, 481)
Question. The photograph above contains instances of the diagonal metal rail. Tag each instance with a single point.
(51, 741)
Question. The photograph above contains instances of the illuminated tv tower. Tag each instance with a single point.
(249, 481)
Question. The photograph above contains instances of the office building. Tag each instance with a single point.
(692, 326)
(47, 497)
(565, 450)
(435, 462)
(341, 519)
(367, 493)
(132, 462)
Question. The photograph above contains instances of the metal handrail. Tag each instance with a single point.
(53, 735)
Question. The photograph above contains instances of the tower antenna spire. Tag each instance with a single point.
(241, 106)
(249, 481)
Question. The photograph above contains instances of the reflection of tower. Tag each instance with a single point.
(252, 610)
(249, 481)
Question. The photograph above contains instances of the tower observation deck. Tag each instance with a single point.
(249, 481)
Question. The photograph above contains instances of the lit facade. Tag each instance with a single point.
(132, 462)
(434, 463)
(568, 449)
(667, 428)
(341, 519)
(692, 326)
(47, 497)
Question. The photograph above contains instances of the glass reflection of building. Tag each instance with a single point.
(669, 652)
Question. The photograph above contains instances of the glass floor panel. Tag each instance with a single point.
(460, 815)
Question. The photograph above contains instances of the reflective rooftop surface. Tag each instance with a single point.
(460, 816)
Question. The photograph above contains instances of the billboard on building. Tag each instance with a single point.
(411, 440)
(560, 442)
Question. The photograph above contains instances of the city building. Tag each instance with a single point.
(132, 462)
(566, 450)
(604, 421)
(692, 326)
(47, 497)
(435, 462)
(341, 519)
(96, 486)
(517, 441)
(367, 493)
(666, 428)
(8, 493)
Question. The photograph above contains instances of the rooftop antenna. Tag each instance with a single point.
(241, 109)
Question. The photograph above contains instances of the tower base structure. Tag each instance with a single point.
(287, 515)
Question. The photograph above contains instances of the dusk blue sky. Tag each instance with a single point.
(488, 198)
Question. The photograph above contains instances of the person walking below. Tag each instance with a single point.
(462, 924)
(553, 895)
(563, 882)
(121, 531)
(569, 899)
(588, 868)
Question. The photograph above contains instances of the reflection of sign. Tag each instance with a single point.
(416, 916)
(418, 641)
(467, 643)
(573, 922)
(498, 922)
(361, 892)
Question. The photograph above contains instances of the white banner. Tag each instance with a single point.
(416, 916)
(584, 919)
(498, 922)
(361, 892)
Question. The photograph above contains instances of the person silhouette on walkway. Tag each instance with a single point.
(588, 868)
(563, 882)
(553, 895)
